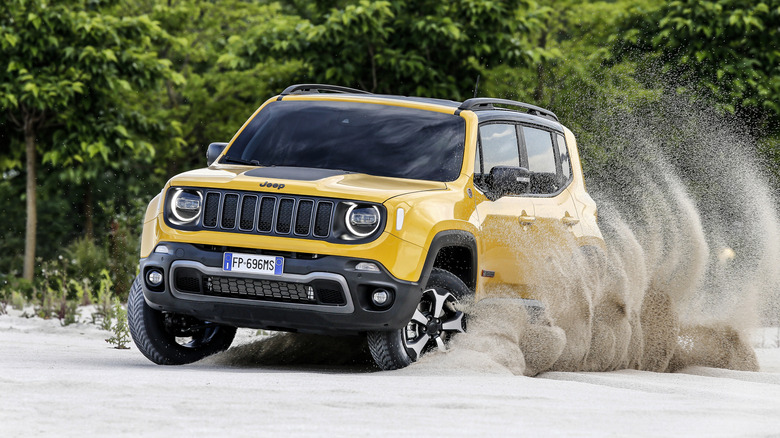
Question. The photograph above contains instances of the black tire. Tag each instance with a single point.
(157, 342)
(389, 348)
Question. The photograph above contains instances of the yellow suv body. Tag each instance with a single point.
(352, 213)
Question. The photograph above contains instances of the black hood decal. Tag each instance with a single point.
(294, 173)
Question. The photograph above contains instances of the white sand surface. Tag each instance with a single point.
(66, 381)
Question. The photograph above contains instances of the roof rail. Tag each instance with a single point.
(483, 103)
(316, 88)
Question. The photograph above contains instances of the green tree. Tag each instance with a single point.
(67, 71)
(218, 94)
(727, 48)
(426, 48)
(574, 73)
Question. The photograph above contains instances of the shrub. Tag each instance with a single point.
(17, 300)
(85, 260)
(121, 332)
(104, 302)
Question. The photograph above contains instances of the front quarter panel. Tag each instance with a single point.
(427, 214)
(151, 234)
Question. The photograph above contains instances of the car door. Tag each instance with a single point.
(505, 222)
(557, 221)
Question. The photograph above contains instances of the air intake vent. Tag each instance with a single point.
(248, 212)
(266, 220)
(284, 218)
(229, 210)
(303, 217)
(187, 280)
(322, 221)
(211, 210)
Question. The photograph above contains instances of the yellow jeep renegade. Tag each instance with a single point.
(336, 211)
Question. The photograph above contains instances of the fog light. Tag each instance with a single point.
(365, 266)
(161, 249)
(154, 277)
(310, 293)
(380, 297)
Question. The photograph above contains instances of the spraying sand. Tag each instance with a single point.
(670, 292)
(692, 261)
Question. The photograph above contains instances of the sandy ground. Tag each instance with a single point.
(66, 381)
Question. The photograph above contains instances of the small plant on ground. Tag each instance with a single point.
(103, 301)
(14, 292)
(49, 294)
(68, 311)
(82, 290)
(121, 333)
(17, 300)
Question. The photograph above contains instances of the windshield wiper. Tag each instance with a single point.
(228, 159)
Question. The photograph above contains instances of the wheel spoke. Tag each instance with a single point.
(440, 344)
(419, 318)
(455, 324)
(418, 345)
(439, 301)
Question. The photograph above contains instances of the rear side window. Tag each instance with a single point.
(545, 177)
(541, 155)
(565, 162)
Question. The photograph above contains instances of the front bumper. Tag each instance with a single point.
(305, 298)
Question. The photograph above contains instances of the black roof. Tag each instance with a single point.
(485, 107)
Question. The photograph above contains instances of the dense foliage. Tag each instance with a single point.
(109, 98)
(730, 47)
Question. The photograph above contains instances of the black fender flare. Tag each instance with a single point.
(443, 239)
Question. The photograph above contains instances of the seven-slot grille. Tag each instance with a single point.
(267, 213)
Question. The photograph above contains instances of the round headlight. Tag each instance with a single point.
(186, 205)
(362, 220)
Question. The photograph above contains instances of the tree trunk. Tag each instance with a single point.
(32, 212)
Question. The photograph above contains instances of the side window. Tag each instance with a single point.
(565, 162)
(497, 146)
(541, 161)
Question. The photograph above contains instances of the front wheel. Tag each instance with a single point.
(433, 323)
(169, 338)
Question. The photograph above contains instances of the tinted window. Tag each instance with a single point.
(366, 138)
(499, 146)
(565, 163)
(541, 155)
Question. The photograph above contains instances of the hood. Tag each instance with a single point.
(304, 181)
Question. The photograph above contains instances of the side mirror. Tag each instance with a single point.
(509, 180)
(212, 153)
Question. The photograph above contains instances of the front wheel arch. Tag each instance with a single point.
(457, 240)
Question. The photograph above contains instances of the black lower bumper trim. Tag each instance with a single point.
(317, 295)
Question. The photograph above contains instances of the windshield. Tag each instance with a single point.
(366, 138)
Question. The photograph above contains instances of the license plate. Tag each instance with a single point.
(256, 264)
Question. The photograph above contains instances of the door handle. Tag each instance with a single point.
(569, 221)
(526, 220)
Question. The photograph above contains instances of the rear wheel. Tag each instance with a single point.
(433, 323)
(169, 338)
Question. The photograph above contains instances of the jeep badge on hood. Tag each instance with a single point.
(268, 184)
